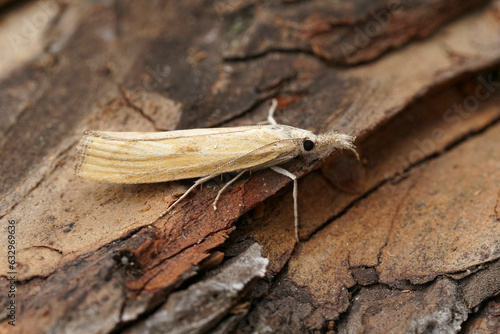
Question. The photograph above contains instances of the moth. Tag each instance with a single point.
(150, 157)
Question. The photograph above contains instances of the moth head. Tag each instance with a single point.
(325, 144)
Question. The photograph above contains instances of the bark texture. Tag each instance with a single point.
(405, 240)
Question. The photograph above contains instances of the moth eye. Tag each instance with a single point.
(308, 144)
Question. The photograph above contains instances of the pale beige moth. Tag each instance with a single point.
(150, 157)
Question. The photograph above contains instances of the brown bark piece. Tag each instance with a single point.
(204, 304)
(450, 211)
(486, 320)
(438, 309)
(342, 32)
(482, 285)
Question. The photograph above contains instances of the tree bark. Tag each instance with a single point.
(407, 239)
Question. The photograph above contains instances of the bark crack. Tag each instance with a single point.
(391, 228)
(130, 103)
(496, 209)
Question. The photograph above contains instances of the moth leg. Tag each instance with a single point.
(270, 116)
(197, 183)
(283, 171)
(225, 187)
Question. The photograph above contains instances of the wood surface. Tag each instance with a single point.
(405, 240)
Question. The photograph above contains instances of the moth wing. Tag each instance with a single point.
(134, 157)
